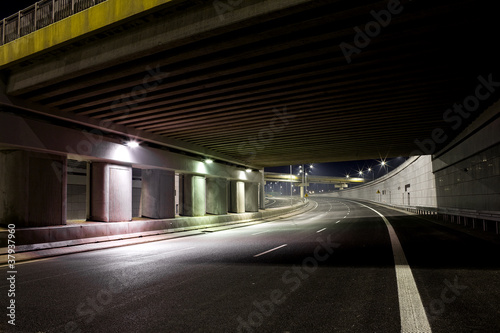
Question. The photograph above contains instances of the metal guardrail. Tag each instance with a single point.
(487, 220)
(40, 15)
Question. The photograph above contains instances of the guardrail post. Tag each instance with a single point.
(53, 11)
(72, 7)
(18, 24)
(3, 32)
(34, 17)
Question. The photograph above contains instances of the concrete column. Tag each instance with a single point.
(251, 197)
(32, 188)
(178, 194)
(158, 194)
(237, 196)
(111, 192)
(194, 195)
(262, 192)
(217, 196)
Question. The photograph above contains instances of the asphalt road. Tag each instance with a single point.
(329, 270)
(283, 201)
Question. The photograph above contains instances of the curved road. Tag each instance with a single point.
(331, 269)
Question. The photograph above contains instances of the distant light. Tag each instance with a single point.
(361, 173)
(248, 170)
(311, 166)
(347, 176)
(382, 163)
(369, 169)
(132, 144)
(209, 161)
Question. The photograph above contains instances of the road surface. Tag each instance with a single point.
(331, 269)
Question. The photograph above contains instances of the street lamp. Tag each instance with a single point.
(373, 175)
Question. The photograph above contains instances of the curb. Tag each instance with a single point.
(45, 250)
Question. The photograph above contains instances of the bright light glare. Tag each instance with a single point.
(382, 163)
(133, 144)
(209, 161)
(369, 169)
(248, 170)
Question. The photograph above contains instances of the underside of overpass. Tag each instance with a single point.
(273, 83)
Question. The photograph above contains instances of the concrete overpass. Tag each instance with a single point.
(267, 83)
(246, 84)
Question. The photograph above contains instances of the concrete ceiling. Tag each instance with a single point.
(279, 90)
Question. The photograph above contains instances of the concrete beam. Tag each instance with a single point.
(185, 27)
(96, 128)
(18, 132)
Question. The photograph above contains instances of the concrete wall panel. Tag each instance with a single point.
(251, 197)
(32, 188)
(217, 196)
(158, 194)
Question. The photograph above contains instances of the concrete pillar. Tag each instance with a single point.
(194, 195)
(237, 196)
(32, 188)
(251, 197)
(111, 192)
(178, 195)
(158, 194)
(262, 192)
(217, 196)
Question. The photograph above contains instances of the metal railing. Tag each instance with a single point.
(40, 15)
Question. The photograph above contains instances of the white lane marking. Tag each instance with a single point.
(274, 249)
(260, 232)
(345, 216)
(411, 309)
(320, 230)
(337, 221)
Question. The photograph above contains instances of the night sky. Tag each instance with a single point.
(11, 7)
(351, 168)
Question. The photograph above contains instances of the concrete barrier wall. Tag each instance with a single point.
(412, 184)
(464, 177)
(468, 174)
